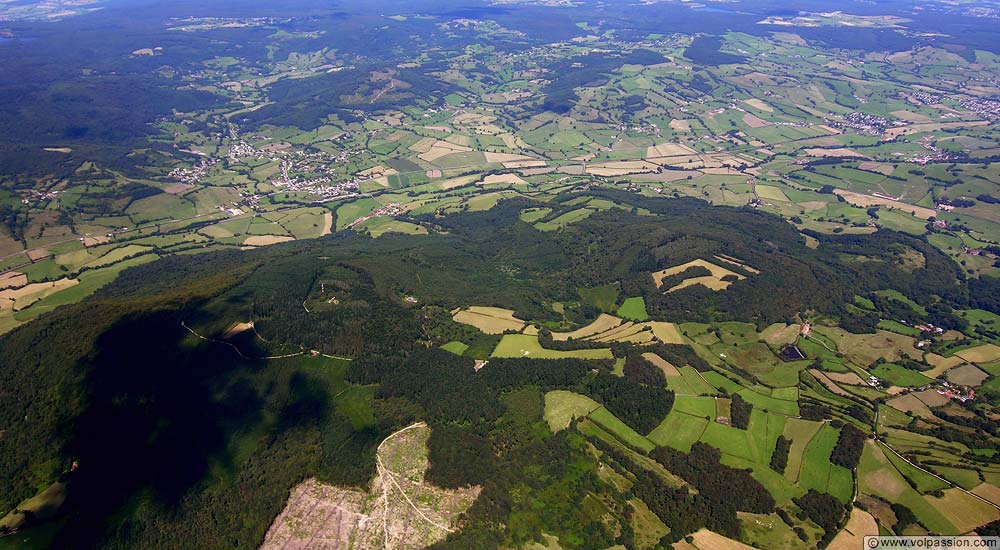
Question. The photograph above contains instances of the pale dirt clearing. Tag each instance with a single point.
(604, 322)
(12, 279)
(327, 224)
(20, 298)
(864, 201)
(236, 328)
(399, 512)
(860, 525)
(662, 364)
(266, 240)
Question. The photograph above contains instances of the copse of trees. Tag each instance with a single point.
(779, 460)
(850, 444)
(739, 414)
(641, 407)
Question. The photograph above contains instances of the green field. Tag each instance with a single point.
(458, 348)
(900, 376)
(633, 309)
(604, 298)
(610, 422)
(679, 430)
(561, 407)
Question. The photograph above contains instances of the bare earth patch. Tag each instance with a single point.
(400, 511)
(966, 375)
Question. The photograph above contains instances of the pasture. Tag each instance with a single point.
(561, 407)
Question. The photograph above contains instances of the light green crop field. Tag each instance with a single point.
(633, 309)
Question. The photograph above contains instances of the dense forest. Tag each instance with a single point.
(177, 438)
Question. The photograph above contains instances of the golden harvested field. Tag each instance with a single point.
(710, 540)
(518, 164)
(20, 298)
(964, 512)
(668, 333)
(758, 104)
(669, 150)
(604, 322)
(989, 492)
(458, 182)
(505, 157)
(780, 334)
(424, 145)
(864, 201)
(987, 353)
(512, 179)
(266, 240)
(12, 279)
(442, 148)
(860, 525)
(94, 241)
(707, 281)
(628, 327)
(662, 364)
(400, 511)
(836, 152)
(621, 168)
(490, 320)
(717, 271)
